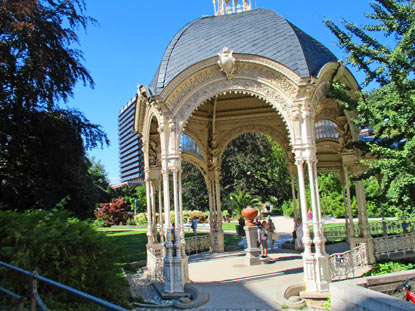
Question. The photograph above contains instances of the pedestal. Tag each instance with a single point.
(252, 251)
(173, 276)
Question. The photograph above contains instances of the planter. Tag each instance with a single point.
(249, 213)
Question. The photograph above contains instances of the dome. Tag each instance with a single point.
(259, 32)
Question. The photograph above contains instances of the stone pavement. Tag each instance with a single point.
(233, 285)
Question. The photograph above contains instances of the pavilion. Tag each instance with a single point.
(244, 70)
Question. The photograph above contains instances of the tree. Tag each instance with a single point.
(101, 190)
(384, 49)
(256, 164)
(194, 187)
(240, 200)
(42, 147)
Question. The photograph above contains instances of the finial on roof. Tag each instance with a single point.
(223, 7)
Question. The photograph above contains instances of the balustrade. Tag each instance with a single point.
(338, 232)
(197, 244)
(395, 245)
(349, 264)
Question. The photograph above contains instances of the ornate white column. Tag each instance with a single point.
(364, 236)
(361, 202)
(308, 258)
(350, 228)
(153, 182)
(321, 258)
(150, 237)
(320, 219)
(177, 230)
(220, 242)
(216, 231)
(160, 201)
(292, 175)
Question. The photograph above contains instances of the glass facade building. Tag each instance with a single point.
(131, 155)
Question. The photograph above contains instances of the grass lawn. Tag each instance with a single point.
(132, 244)
(229, 226)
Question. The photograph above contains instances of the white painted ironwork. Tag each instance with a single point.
(197, 244)
(223, 7)
(155, 261)
(350, 264)
(394, 245)
(326, 129)
(338, 232)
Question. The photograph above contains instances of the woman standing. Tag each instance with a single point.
(270, 227)
(298, 228)
(263, 237)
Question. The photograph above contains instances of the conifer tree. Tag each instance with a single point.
(384, 49)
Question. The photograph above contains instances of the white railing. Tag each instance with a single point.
(350, 264)
(338, 232)
(155, 261)
(395, 244)
(197, 244)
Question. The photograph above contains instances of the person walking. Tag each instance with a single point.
(263, 237)
(298, 228)
(270, 228)
(194, 225)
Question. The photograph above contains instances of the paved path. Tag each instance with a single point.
(233, 285)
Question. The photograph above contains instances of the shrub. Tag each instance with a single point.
(141, 219)
(61, 248)
(389, 267)
(117, 212)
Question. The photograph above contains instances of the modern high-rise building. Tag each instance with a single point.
(131, 155)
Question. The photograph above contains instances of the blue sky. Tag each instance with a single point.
(126, 46)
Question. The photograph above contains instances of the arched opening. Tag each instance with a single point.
(255, 164)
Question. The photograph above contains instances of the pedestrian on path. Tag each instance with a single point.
(310, 214)
(194, 225)
(270, 228)
(298, 229)
(263, 237)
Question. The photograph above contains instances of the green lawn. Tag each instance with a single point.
(132, 244)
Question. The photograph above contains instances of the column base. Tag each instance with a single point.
(174, 275)
(316, 273)
(369, 247)
(217, 242)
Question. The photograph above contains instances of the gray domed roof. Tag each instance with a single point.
(259, 32)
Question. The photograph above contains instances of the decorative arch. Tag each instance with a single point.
(151, 115)
(236, 132)
(238, 86)
(196, 161)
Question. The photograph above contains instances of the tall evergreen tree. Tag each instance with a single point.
(42, 147)
(384, 49)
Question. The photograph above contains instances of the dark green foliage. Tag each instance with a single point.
(61, 248)
(39, 64)
(101, 190)
(238, 201)
(389, 267)
(254, 163)
(42, 168)
(384, 50)
(42, 153)
(132, 194)
(195, 195)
